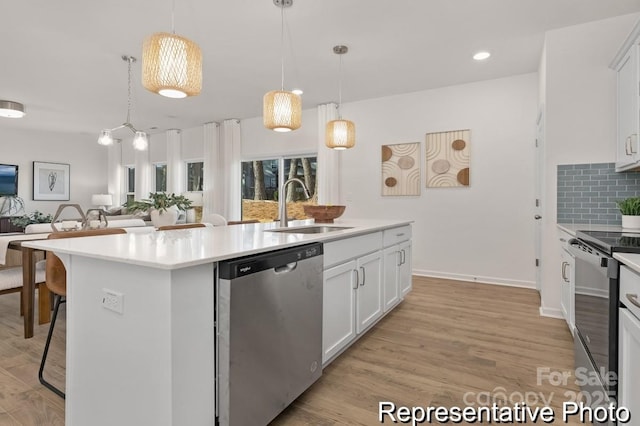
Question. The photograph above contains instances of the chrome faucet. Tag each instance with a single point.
(283, 194)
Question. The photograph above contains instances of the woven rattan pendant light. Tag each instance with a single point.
(171, 64)
(340, 134)
(282, 110)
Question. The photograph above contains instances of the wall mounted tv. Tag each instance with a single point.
(8, 180)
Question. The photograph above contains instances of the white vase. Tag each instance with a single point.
(164, 218)
(630, 222)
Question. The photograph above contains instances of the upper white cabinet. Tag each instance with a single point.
(628, 103)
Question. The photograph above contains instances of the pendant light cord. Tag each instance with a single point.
(340, 89)
(173, 18)
(129, 91)
(282, 44)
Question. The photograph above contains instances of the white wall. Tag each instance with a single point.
(579, 98)
(259, 142)
(482, 232)
(87, 160)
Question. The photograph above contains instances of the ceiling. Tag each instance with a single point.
(61, 58)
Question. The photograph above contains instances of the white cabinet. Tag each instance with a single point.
(626, 65)
(628, 365)
(369, 291)
(405, 268)
(568, 288)
(352, 301)
(397, 265)
(352, 292)
(339, 309)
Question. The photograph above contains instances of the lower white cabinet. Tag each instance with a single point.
(568, 288)
(352, 301)
(397, 273)
(405, 268)
(628, 365)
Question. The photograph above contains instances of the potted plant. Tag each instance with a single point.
(28, 219)
(163, 208)
(630, 210)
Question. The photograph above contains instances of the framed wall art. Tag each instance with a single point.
(50, 181)
(448, 159)
(401, 169)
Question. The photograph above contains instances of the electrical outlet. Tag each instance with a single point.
(113, 300)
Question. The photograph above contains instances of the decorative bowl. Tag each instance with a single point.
(323, 213)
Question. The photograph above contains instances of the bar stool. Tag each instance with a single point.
(56, 281)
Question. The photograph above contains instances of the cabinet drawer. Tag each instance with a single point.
(349, 248)
(395, 235)
(630, 286)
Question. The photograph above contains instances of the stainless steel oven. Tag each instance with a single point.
(596, 302)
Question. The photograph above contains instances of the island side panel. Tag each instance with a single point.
(121, 368)
(193, 345)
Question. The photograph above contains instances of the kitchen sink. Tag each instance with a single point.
(315, 229)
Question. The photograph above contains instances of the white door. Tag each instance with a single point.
(628, 365)
(338, 312)
(405, 268)
(538, 192)
(391, 288)
(369, 293)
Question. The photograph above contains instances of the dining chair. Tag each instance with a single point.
(214, 219)
(11, 280)
(56, 281)
(181, 226)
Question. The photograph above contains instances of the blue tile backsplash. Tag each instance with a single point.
(587, 193)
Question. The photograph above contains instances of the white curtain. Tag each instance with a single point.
(213, 196)
(230, 167)
(143, 174)
(115, 184)
(175, 173)
(329, 167)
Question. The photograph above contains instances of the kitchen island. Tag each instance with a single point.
(141, 313)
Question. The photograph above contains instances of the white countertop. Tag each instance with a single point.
(571, 228)
(188, 247)
(630, 259)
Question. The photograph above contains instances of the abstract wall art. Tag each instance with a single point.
(448, 159)
(50, 181)
(401, 169)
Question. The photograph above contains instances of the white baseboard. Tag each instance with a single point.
(477, 279)
(551, 312)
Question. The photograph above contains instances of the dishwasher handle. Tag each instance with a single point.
(283, 269)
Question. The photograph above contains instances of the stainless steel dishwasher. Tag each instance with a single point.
(269, 332)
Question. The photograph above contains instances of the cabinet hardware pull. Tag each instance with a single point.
(627, 143)
(363, 276)
(633, 298)
(631, 140)
(400, 235)
(399, 258)
(564, 275)
(357, 279)
(404, 257)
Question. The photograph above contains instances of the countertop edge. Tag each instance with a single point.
(65, 246)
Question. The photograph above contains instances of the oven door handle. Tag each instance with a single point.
(633, 298)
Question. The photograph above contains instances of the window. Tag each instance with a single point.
(130, 183)
(261, 180)
(195, 176)
(160, 177)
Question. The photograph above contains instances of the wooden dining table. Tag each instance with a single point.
(29, 289)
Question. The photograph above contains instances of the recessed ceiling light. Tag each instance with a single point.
(297, 91)
(481, 56)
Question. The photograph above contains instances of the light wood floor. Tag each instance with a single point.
(446, 339)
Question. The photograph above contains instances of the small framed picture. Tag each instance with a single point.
(50, 181)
